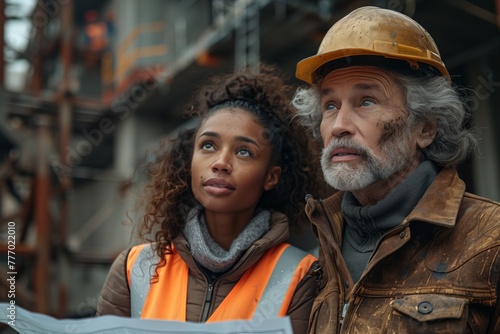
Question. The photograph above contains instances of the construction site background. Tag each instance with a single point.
(89, 87)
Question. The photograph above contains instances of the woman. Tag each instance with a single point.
(219, 206)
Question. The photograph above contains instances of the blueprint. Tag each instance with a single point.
(26, 322)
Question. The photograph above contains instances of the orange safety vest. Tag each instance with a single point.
(264, 291)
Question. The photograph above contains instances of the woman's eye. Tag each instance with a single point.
(244, 152)
(207, 146)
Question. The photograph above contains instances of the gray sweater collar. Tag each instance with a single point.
(212, 256)
(365, 225)
(374, 220)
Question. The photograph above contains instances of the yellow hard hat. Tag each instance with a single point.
(371, 36)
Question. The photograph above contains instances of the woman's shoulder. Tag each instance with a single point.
(278, 216)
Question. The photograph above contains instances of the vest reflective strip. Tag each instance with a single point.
(140, 279)
(277, 287)
(269, 305)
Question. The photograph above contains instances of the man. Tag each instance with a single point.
(404, 248)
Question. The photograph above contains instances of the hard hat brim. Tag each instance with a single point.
(308, 68)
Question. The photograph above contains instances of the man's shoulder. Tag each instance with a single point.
(479, 200)
(483, 211)
(475, 233)
(477, 224)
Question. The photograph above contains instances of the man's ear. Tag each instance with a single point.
(426, 134)
(272, 177)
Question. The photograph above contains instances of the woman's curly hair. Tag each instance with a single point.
(265, 95)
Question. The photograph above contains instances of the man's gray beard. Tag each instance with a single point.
(356, 175)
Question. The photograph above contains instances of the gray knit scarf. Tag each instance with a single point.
(212, 256)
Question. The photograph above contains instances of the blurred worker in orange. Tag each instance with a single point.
(96, 32)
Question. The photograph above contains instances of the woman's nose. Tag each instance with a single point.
(223, 163)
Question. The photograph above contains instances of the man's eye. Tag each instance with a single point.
(330, 106)
(367, 103)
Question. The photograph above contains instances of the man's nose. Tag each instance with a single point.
(342, 123)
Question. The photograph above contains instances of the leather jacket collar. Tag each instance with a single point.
(439, 205)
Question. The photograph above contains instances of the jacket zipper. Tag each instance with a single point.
(316, 272)
(208, 302)
(210, 289)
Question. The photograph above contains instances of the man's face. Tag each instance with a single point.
(364, 128)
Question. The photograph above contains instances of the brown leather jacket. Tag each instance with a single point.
(437, 272)
(115, 295)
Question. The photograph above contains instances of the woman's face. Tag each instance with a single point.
(231, 162)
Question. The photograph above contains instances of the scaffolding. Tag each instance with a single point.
(54, 112)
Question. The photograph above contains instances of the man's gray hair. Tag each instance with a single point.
(427, 100)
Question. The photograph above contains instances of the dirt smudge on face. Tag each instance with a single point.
(392, 129)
